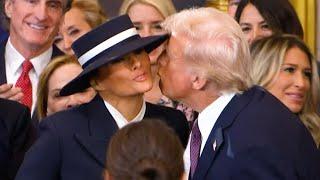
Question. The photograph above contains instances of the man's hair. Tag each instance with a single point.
(215, 45)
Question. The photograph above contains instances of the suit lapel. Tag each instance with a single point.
(101, 126)
(216, 138)
(3, 77)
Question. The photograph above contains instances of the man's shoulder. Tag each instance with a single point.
(262, 101)
(266, 117)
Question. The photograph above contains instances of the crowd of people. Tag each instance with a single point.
(156, 93)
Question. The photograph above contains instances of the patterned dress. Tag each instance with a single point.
(190, 114)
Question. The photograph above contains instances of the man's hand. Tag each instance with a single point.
(8, 91)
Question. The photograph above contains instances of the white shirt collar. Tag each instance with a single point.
(39, 62)
(206, 120)
(122, 121)
(13, 64)
(208, 117)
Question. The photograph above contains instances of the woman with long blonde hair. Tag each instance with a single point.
(284, 65)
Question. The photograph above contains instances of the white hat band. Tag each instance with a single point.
(107, 44)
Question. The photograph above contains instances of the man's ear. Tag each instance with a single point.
(8, 7)
(198, 81)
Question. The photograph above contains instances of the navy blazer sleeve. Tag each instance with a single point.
(42, 160)
(16, 136)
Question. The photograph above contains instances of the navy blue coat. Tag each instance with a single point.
(73, 143)
(256, 137)
(16, 136)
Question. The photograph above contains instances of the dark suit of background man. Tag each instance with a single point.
(32, 27)
(16, 136)
(3, 34)
(242, 131)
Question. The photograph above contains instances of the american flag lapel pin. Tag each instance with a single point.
(214, 145)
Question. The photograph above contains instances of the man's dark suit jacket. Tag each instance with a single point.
(3, 34)
(3, 77)
(16, 136)
(257, 138)
(73, 143)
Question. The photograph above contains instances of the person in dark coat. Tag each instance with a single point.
(242, 131)
(72, 143)
(3, 34)
(16, 136)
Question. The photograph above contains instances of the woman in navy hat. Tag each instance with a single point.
(115, 63)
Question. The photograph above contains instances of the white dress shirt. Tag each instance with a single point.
(122, 121)
(206, 120)
(13, 63)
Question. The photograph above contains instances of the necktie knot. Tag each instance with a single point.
(26, 66)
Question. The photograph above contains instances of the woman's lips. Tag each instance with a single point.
(141, 77)
(296, 97)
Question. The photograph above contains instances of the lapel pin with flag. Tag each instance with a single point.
(214, 145)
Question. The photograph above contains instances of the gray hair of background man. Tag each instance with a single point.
(215, 46)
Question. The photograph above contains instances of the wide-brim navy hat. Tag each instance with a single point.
(107, 43)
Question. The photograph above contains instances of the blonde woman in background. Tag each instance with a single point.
(57, 74)
(147, 16)
(284, 65)
(83, 16)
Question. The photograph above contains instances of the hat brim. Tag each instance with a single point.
(81, 82)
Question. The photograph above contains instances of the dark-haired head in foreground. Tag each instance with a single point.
(145, 150)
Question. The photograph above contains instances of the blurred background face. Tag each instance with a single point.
(253, 25)
(147, 20)
(33, 23)
(232, 7)
(130, 76)
(73, 27)
(293, 81)
(59, 78)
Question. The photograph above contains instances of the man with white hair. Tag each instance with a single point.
(242, 131)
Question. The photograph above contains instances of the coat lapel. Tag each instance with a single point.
(3, 77)
(216, 138)
(101, 127)
(93, 147)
